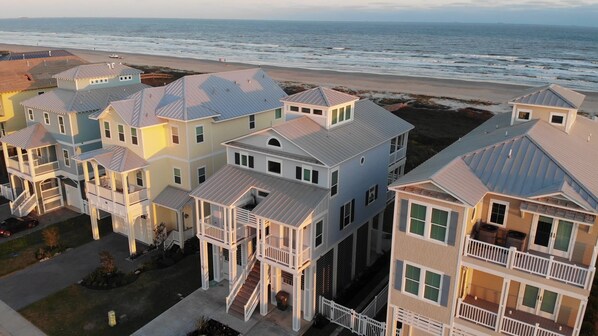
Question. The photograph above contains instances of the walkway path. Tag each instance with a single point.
(13, 324)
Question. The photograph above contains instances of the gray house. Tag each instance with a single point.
(297, 202)
(38, 158)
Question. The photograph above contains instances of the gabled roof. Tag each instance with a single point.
(524, 160)
(552, 95)
(97, 70)
(34, 136)
(114, 158)
(35, 73)
(320, 96)
(222, 96)
(65, 101)
(288, 202)
(372, 126)
(172, 198)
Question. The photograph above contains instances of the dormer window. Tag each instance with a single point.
(294, 108)
(98, 81)
(317, 112)
(306, 110)
(274, 142)
(341, 114)
(557, 118)
(125, 78)
(524, 115)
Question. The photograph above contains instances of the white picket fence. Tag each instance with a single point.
(360, 324)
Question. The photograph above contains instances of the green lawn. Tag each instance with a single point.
(20, 252)
(80, 311)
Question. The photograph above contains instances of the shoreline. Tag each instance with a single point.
(497, 93)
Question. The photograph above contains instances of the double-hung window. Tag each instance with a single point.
(174, 132)
(334, 183)
(428, 222)
(252, 121)
(67, 160)
(134, 139)
(61, 127)
(498, 212)
(121, 133)
(371, 195)
(201, 175)
(423, 283)
(198, 134)
(243, 159)
(30, 114)
(139, 178)
(46, 118)
(177, 175)
(107, 129)
(347, 214)
(319, 233)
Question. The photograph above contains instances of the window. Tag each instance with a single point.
(498, 212)
(121, 133)
(305, 110)
(306, 173)
(65, 155)
(557, 118)
(242, 159)
(348, 112)
(319, 233)
(274, 166)
(177, 176)
(201, 175)
(262, 193)
(277, 113)
(334, 183)
(427, 288)
(61, 128)
(347, 214)
(252, 121)
(125, 78)
(30, 114)
(334, 116)
(317, 112)
(341, 114)
(98, 81)
(294, 108)
(431, 224)
(39, 93)
(139, 178)
(397, 143)
(274, 142)
(524, 115)
(198, 134)
(134, 136)
(106, 129)
(46, 118)
(174, 131)
(371, 195)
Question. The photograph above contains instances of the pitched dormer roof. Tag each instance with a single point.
(97, 70)
(552, 95)
(34, 136)
(320, 96)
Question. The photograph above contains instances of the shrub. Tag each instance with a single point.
(107, 264)
(51, 237)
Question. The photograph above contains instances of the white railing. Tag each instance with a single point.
(245, 217)
(476, 315)
(418, 321)
(252, 302)
(26, 207)
(277, 254)
(13, 162)
(212, 231)
(46, 167)
(6, 191)
(379, 301)
(137, 196)
(276, 249)
(238, 283)
(18, 201)
(517, 328)
(530, 263)
(397, 156)
(350, 319)
(52, 192)
(305, 256)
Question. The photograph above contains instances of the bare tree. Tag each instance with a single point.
(51, 237)
(107, 262)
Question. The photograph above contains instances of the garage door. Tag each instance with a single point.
(73, 197)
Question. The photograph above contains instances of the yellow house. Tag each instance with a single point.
(495, 234)
(161, 143)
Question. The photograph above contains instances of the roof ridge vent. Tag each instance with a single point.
(589, 137)
(510, 152)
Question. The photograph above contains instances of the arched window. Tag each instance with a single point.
(274, 142)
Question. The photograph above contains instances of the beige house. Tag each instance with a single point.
(495, 234)
(160, 143)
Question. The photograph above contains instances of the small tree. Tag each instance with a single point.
(107, 262)
(51, 237)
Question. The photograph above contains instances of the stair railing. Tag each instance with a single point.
(239, 281)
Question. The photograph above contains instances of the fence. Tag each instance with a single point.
(360, 324)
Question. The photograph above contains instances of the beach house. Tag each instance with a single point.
(42, 174)
(495, 234)
(292, 210)
(162, 142)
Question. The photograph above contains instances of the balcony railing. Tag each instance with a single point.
(41, 165)
(46, 167)
(245, 217)
(276, 249)
(476, 315)
(220, 233)
(52, 192)
(530, 263)
(104, 191)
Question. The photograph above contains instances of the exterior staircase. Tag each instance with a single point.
(246, 299)
(23, 204)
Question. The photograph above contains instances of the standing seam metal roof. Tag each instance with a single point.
(114, 158)
(172, 198)
(97, 70)
(552, 95)
(34, 136)
(320, 96)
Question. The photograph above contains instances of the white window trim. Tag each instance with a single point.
(241, 154)
(272, 146)
(428, 222)
(321, 219)
(109, 129)
(124, 133)
(252, 120)
(273, 160)
(564, 115)
(174, 175)
(311, 173)
(30, 114)
(337, 182)
(205, 174)
(66, 158)
(492, 201)
(523, 110)
(370, 189)
(350, 204)
(46, 118)
(422, 282)
(177, 134)
(61, 125)
(136, 136)
(202, 134)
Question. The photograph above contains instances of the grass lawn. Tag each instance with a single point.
(80, 311)
(20, 253)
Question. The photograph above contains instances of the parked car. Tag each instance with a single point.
(13, 225)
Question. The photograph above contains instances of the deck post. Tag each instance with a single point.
(506, 283)
(93, 213)
(296, 302)
(204, 264)
(309, 292)
(264, 269)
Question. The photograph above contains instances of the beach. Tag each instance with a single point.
(471, 92)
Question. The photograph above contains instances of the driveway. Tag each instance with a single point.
(46, 219)
(21, 288)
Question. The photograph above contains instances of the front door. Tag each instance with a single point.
(538, 301)
(552, 236)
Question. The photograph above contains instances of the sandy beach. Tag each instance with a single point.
(495, 93)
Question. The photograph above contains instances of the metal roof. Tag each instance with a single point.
(97, 70)
(288, 202)
(172, 198)
(320, 96)
(34, 136)
(372, 126)
(64, 101)
(526, 160)
(11, 56)
(114, 158)
(222, 96)
(552, 95)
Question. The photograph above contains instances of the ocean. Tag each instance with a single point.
(503, 53)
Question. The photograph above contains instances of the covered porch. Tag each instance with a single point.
(174, 208)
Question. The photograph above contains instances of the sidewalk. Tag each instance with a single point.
(13, 324)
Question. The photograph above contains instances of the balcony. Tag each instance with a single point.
(40, 165)
(113, 201)
(244, 216)
(541, 265)
(515, 322)
(276, 249)
(220, 234)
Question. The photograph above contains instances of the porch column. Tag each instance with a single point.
(181, 226)
(506, 283)
(216, 255)
(264, 289)
(199, 215)
(96, 174)
(93, 213)
(20, 158)
(204, 266)
(5, 150)
(232, 264)
(31, 163)
(309, 292)
(130, 219)
(276, 281)
(296, 302)
(85, 171)
(579, 320)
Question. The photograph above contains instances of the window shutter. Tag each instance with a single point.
(237, 159)
(314, 176)
(298, 172)
(376, 192)
(446, 286)
(367, 195)
(352, 210)
(398, 274)
(452, 228)
(342, 217)
(250, 161)
(403, 217)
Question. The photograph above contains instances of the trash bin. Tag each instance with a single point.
(282, 300)
(487, 233)
(517, 239)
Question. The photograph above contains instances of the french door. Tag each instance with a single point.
(553, 236)
(538, 301)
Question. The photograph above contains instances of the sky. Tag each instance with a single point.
(562, 12)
